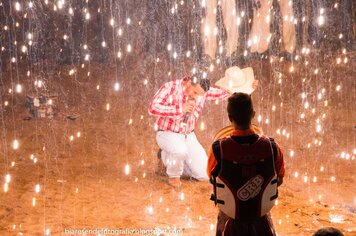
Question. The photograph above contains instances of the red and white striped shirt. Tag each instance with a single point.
(168, 102)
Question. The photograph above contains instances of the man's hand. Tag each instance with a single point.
(188, 106)
(255, 84)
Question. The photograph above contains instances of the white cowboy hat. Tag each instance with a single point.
(237, 80)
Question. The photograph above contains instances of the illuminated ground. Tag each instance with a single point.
(83, 182)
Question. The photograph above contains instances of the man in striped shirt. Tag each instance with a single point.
(177, 105)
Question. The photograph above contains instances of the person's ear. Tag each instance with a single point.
(253, 114)
(186, 85)
(230, 118)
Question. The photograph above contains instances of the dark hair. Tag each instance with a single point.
(205, 84)
(203, 81)
(328, 231)
(201, 74)
(240, 108)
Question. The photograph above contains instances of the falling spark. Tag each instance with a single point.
(17, 6)
(181, 196)
(37, 188)
(117, 86)
(18, 88)
(149, 210)
(336, 218)
(6, 187)
(318, 128)
(202, 125)
(7, 178)
(321, 20)
(127, 169)
(15, 144)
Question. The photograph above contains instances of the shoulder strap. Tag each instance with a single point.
(274, 152)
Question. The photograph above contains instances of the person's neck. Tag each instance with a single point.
(239, 127)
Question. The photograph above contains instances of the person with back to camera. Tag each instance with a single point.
(245, 169)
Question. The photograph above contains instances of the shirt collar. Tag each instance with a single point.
(246, 132)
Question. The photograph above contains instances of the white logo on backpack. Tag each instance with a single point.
(251, 188)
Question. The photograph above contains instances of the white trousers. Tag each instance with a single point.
(209, 27)
(182, 154)
(260, 31)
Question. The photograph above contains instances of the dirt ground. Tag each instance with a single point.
(84, 180)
